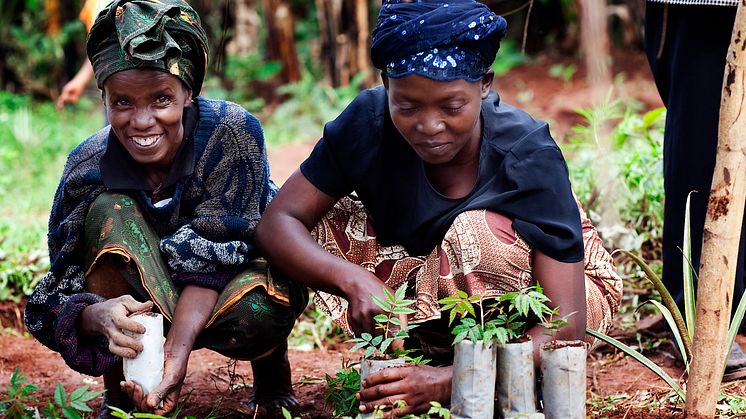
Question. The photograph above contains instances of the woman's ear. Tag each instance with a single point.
(189, 100)
(487, 83)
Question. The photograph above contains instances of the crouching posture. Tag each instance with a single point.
(454, 190)
(157, 212)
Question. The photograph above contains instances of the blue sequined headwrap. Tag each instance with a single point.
(441, 40)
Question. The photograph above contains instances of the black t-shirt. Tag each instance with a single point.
(522, 175)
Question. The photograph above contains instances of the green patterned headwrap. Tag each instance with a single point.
(154, 34)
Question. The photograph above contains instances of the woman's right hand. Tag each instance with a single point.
(110, 318)
(361, 309)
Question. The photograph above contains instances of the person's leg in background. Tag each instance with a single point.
(686, 47)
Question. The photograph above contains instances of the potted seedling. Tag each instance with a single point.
(474, 358)
(376, 354)
(563, 373)
(515, 389)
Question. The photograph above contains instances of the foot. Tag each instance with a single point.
(735, 366)
(273, 388)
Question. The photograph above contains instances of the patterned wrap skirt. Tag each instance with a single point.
(480, 254)
(254, 313)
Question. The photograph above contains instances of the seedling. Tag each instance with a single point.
(507, 326)
(341, 391)
(553, 325)
(20, 395)
(388, 323)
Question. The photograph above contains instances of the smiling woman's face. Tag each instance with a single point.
(145, 109)
(439, 119)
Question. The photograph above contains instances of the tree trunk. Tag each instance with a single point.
(281, 38)
(722, 234)
(245, 29)
(594, 43)
(344, 28)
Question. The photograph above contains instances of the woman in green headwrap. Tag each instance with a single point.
(157, 212)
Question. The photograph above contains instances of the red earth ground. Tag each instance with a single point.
(617, 386)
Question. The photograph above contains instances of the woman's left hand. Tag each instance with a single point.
(416, 385)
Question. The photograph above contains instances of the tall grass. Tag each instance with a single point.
(34, 141)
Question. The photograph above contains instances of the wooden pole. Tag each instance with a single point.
(722, 234)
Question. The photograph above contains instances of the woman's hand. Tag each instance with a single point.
(166, 392)
(110, 318)
(416, 385)
(361, 309)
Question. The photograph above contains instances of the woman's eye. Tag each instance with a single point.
(454, 108)
(121, 102)
(163, 99)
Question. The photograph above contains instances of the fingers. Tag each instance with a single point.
(386, 375)
(136, 394)
(123, 345)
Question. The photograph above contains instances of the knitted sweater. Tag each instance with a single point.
(206, 228)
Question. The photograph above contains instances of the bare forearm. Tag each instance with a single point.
(287, 243)
(193, 311)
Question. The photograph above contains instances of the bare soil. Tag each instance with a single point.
(618, 387)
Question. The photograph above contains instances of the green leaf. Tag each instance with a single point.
(672, 325)
(79, 406)
(148, 416)
(401, 292)
(385, 344)
(650, 117)
(689, 311)
(369, 351)
(70, 413)
(59, 394)
(641, 359)
(384, 305)
(381, 318)
(377, 340)
(403, 310)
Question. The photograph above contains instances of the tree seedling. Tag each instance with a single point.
(388, 323)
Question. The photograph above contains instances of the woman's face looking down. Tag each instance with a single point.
(439, 119)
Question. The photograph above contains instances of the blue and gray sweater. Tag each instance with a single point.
(206, 227)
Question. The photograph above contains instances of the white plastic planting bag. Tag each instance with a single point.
(516, 387)
(371, 366)
(146, 369)
(473, 384)
(563, 380)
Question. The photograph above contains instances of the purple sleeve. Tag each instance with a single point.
(88, 355)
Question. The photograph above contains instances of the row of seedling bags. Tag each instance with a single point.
(497, 350)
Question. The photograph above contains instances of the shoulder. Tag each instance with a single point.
(514, 131)
(364, 115)
(86, 155)
(213, 113)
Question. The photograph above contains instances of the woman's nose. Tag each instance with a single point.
(430, 125)
(142, 119)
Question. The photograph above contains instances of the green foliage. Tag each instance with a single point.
(563, 72)
(554, 323)
(388, 323)
(34, 141)
(507, 325)
(32, 57)
(287, 415)
(508, 57)
(16, 404)
(341, 391)
(307, 107)
(636, 143)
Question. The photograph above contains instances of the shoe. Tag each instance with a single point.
(735, 367)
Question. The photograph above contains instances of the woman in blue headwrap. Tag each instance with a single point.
(455, 190)
(157, 212)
